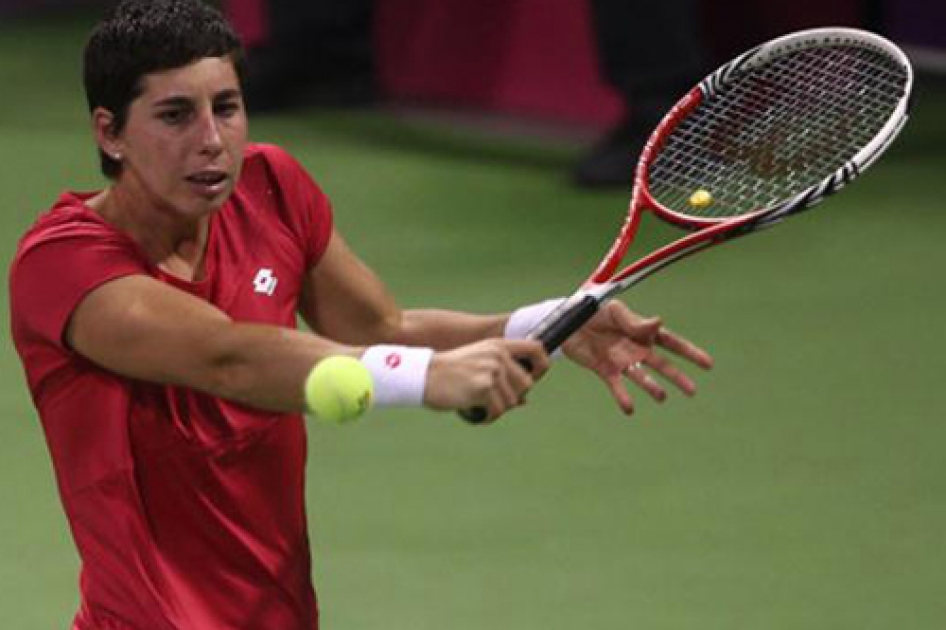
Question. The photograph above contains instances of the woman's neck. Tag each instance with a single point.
(174, 243)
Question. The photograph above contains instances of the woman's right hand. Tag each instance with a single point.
(484, 374)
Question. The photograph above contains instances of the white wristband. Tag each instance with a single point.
(399, 374)
(524, 320)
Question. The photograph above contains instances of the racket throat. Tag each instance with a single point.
(560, 324)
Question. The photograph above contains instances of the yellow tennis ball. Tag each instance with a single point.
(339, 389)
(701, 199)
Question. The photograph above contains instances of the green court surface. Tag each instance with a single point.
(804, 488)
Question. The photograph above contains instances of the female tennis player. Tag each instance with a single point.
(156, 323)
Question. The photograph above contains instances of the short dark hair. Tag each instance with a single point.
(140, 37)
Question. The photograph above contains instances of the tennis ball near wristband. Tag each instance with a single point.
(338, 389)
(701, 199)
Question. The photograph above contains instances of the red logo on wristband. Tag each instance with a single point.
(393, 360)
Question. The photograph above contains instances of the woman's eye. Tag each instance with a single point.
(227, 109)
(173, 116)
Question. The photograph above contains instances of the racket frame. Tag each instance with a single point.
(605, 282)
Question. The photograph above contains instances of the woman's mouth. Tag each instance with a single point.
(208, 183)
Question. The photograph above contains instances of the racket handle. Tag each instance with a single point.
(478, 415)
(552, 337)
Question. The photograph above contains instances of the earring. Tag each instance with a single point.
(117, 156)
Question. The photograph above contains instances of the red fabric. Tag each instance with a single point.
(528, 57)
(187, 510)
(250, 19)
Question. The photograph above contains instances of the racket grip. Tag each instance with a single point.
(552, 337)
(478, 415)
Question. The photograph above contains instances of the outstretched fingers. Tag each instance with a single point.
(684, 348)
(637, 372)
(670, 372)
(620, 394)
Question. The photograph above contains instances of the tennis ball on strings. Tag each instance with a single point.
(701, 199)
(338, 389)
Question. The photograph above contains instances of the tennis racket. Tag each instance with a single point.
(763, 138)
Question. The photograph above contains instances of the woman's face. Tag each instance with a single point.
(182, 145)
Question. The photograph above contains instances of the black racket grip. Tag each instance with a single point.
(478, 415)
(552, 337)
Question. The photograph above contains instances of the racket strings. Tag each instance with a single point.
(777, 130)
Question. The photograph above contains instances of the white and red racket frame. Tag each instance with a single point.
(606, 281)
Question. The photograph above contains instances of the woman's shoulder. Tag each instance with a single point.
(268, 165)
(68, 217)
(270, 156)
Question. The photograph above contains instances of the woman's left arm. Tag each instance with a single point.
(344, 300)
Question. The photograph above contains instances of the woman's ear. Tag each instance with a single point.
(103, 127)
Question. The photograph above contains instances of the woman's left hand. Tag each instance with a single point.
(617, 343)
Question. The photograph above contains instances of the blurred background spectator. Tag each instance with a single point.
(317, 51)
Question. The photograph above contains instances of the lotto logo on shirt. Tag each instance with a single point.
(265, 282)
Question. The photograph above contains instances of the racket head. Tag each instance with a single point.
(769, 134)
(777, 129)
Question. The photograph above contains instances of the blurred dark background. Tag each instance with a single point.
(520, 57)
